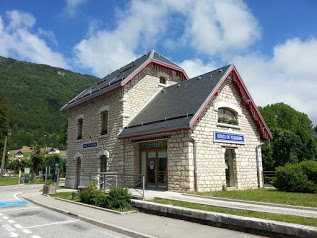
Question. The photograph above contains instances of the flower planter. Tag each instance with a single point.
(49, 189)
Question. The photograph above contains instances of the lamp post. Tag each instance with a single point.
(4, 153)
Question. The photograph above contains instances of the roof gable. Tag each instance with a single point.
(121, 77)
(180, 106)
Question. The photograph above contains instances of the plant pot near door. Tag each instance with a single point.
(49, 188)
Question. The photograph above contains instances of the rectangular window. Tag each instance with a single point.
(80, 123)
(162, 80)
(104, 123)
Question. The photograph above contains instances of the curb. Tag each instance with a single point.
(245, 224)
(108, 226)
(253, 202)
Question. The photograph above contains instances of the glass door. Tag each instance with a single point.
(162, 169)
(151, 169)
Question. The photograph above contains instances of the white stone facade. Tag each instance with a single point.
(125, 155)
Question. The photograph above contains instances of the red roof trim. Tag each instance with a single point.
(146, 63)
(210, 97)
(247, 101)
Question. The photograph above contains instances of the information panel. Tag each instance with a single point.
(228, 137)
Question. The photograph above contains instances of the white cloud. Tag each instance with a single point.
(72, 6)
(290, 76)
(195, 67)
(209, 27)
(217, 27)
(17, 39)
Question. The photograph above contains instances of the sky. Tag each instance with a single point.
(272, 43)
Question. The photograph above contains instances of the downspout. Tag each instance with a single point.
(258, 164)
(195, 162)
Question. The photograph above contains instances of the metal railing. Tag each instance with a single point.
(105, 180)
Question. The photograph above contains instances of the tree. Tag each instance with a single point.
(37, 161)
(4, 125)
(293, 140)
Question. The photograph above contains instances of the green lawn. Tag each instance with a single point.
(245, 213)
(5, 181)
(268, 195)
(66, 195)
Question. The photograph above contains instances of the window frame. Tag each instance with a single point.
(80, 126)
(223, 118)
(104, 121)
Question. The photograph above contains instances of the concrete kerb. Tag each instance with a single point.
(252, 202)
(108, 226)
(246, 224)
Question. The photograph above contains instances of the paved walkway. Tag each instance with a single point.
(236, 204)
(149, 226)
(135, 224)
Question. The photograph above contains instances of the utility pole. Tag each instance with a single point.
(3, 156)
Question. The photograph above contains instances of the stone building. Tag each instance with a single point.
(197, 134)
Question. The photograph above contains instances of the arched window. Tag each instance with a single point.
(227, 116)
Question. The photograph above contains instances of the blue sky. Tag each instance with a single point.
(273, 43)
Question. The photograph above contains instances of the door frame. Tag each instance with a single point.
(156, 167)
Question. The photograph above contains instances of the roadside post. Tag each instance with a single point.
(26, 176)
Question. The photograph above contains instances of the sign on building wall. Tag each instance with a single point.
(90, 145)
(228, 137)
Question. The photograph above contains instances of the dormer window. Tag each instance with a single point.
(227, 116)
(162, 80)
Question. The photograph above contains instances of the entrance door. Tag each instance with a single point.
(156, 168)
(229, 168)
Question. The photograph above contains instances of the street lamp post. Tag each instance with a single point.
(4, 154)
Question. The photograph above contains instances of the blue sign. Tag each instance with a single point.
(227, 137)
(90, 145)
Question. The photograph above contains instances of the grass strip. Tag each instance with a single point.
(245, 213)
(7, 181)
(267, 195)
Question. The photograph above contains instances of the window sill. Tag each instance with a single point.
(104, 136)
(228, 125)
(162, 85)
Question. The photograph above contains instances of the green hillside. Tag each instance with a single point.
(34, 94)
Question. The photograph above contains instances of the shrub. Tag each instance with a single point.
(119, 198)
(86, 195)
(99, 199)
(300, 177)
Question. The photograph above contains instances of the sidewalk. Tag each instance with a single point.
(145, 225)
(230, 203)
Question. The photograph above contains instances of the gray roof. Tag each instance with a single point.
(119, 77)
(175, 106)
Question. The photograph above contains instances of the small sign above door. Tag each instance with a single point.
(90, 145)
(228, 137)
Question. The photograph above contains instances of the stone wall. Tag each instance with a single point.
(210, 155)
(91, 132)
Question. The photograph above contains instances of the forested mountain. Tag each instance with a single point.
(34, 94)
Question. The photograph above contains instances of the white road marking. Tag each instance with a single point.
(5, 218)
(13, 234)
(16, 197)
(11, 221)
(24, 208)
(35, 236)
(8, 228)
(1, 214)
(18, 226)
(49, 224)
(27, 231)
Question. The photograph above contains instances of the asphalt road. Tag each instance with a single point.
(30, 221)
